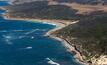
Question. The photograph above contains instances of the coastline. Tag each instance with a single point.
(59, 25)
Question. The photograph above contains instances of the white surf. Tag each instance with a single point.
(52, 62)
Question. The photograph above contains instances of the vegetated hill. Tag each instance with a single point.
(24, 1)
(89, 36)
(41, 9)
(85, 1)
(67, 1)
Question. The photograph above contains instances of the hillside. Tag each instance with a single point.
(41, 10)
(89, 36)
(67, 1)
(84, 1)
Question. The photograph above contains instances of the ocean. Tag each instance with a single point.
(24, 43)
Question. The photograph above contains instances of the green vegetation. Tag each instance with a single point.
(89, 35)
(41, 10)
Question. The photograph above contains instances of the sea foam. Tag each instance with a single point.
(31, 31)
(52, 62)
(28, 47)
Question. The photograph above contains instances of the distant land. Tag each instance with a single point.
(103, 2)
(88, 35)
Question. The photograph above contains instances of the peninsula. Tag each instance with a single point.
(83, 27)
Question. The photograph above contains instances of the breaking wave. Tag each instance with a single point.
(52, 62)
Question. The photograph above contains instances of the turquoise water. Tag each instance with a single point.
(24, 43)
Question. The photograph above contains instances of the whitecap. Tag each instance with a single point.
(10, 37)
(31, 31)
(7, 37)
(49, 23)
(8, 41)
(32, 37)
(28, 47)
(37, 29)
(52, 62)
(12, 30)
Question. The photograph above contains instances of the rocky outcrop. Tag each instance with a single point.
(102, 60)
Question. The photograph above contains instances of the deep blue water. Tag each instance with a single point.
(24, 43)
(3, 3)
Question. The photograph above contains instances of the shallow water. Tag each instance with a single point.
(24, 43)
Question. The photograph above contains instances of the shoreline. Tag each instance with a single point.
(59, 25)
